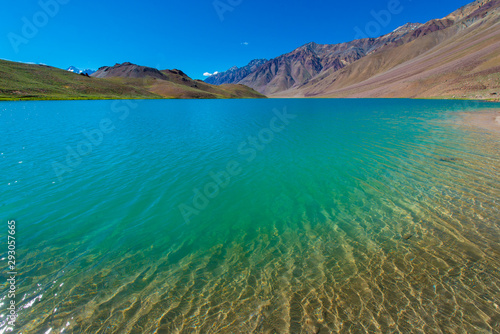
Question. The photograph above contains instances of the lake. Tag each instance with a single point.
(250, 216)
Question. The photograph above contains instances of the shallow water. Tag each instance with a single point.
(350, 216)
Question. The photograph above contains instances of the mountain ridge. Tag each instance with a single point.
(458, 61)
(20, 81)
(171, 83)
(302, 64)
(235, 74)
(302, 71)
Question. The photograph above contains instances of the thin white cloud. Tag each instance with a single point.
(207, 74)
(245, 43)
(22, 62)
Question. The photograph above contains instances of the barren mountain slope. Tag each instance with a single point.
(235, 74)
(462, 60)
(460, 49)
(296, 68)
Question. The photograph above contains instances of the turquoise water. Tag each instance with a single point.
(251, 216)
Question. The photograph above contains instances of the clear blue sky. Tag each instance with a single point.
(190, 35)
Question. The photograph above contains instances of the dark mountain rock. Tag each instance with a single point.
(304, 63)
(235, 74)
(128, 70)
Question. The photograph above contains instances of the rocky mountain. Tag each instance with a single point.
(171, 83)
(407, 28)
(235, 74)
(76, 70)
(301, 65)
(321, 69)
(454, 57)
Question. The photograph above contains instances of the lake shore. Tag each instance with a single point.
(4, 98)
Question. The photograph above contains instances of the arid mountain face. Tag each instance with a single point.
(440, 59)
(415, 55)
(301, 65)
(235, 74)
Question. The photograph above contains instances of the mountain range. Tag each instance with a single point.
(457, 56)
(171, 83)
(21, 81)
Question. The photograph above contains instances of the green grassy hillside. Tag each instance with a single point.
(20, 81)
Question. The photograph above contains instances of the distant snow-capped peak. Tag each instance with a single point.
(408, 27)
(78, 71)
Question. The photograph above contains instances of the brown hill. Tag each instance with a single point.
(127, 70)
(171, 83)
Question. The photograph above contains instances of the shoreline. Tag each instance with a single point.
(4, 99)
(126, 98)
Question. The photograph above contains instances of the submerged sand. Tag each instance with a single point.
(485, 120)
